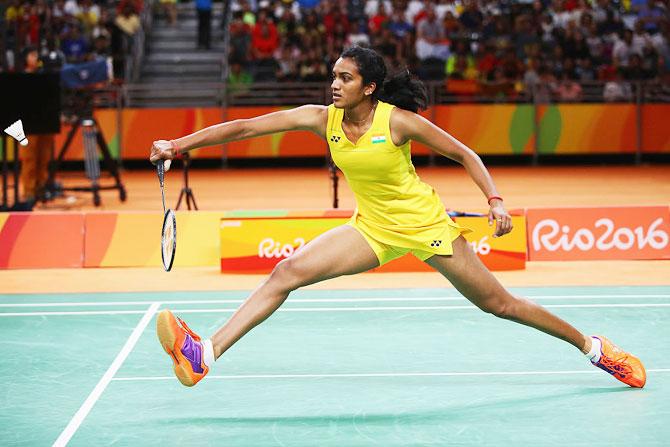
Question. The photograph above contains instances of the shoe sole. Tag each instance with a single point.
(167, 329)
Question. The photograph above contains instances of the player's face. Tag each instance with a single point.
(347, 85)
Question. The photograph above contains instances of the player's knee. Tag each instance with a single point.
(287, 273)
(501, 307)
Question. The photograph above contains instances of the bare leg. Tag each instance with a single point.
(340, 251)
(474, 281)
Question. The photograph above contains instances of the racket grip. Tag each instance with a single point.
(160, 168)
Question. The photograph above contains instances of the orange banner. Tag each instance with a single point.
(491, 129)
(256, 245)
(562, 234)
(41, 240)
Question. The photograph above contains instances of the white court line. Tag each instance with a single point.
(324, 300)
(82, 312)
(362, 375)
(92, 398)
(325, 309)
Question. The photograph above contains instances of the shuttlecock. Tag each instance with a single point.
(16, 132)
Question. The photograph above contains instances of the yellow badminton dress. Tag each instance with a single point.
(396, 212)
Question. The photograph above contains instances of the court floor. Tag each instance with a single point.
(374, 367)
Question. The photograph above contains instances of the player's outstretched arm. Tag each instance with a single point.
(310, 117)
(407, 125)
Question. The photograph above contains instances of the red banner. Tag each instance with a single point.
(566, 234)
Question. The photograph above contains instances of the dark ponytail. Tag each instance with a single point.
(400, 89)
(404, 92)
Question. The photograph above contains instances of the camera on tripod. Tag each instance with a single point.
(79, 82)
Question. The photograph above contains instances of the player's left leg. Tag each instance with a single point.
(472, 279)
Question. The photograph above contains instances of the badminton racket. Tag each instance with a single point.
(169, 231)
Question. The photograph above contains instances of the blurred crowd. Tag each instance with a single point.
(67, 31)
(503, 48)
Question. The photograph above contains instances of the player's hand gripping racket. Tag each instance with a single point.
(169, 234)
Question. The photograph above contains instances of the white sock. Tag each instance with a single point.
(594, 353)
(208, 353)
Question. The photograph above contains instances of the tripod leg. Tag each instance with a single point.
(181, 196)
(110, 163)
(91, 160)
(54, 165)
(192, 198)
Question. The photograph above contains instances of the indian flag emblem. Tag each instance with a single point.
(378, 139)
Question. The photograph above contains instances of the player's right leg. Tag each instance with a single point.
(340, 251)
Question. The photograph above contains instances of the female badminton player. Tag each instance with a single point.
(368, 128)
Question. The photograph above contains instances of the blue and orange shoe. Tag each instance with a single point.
(184, 347)
(623, 366)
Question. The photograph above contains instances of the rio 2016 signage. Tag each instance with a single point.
(599, 233)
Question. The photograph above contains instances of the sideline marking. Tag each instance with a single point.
(92, 398)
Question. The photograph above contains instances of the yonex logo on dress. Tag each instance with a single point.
(335, 139)
(436, 243)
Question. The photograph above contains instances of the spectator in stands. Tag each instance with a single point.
(398, 25)
(312, 30)
(360, 36)
(264, 37)
(525, 36)
(372, 7)
(430, 38)
(471, 18)
(74, 45)
(264, 42)
(36, 155)
(545, 89)
(239, 80)
(334, 16)
(138, 6)
(378, 21)
(240, 39)
(128, 22)
(312, 68)
(617, 90)
(464, 69)
(287, 27)
(287, 57)
(452, 27)
(623, 50)
(651, 15)
(170, 11)
(531, 78)
(248, 16)
(88, 16)
(101, 47)
(568, 90)
(585, 71)
(204, 11)
(388, 47)
(459, 48)
(650, 62)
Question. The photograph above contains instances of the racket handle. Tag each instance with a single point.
(160, 168)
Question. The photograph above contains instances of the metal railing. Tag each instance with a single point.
(448, 92)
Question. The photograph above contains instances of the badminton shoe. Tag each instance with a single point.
(620, 364)
(184, 346)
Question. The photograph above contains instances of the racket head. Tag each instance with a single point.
(169, 239)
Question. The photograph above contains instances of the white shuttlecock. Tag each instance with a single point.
(16, 132)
